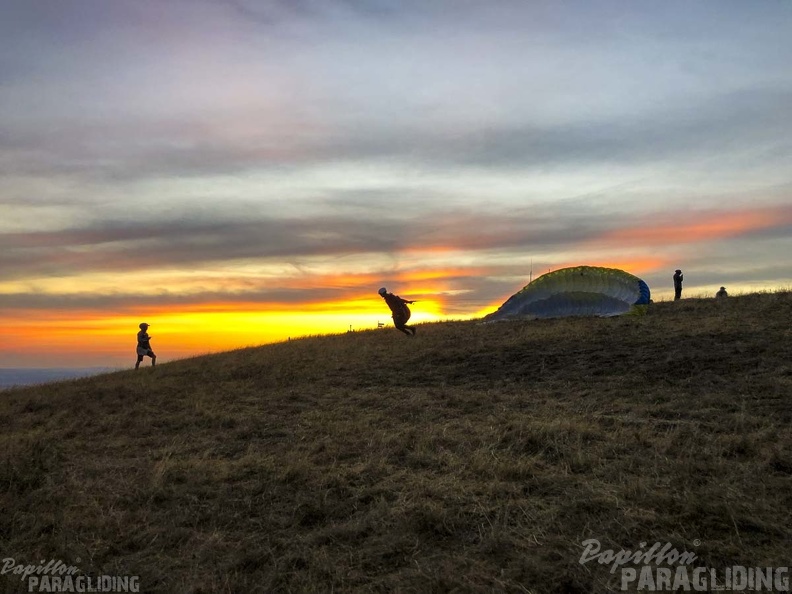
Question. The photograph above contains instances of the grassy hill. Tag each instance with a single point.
(470, 458)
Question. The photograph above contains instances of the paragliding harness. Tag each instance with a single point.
(399, 310)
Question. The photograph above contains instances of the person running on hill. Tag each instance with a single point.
(722, 293)
(144, 346)
(400, 311)
(677, 284)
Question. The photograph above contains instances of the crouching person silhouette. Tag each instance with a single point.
(144, 346)
(400, 311)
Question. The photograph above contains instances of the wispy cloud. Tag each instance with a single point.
(118, 246)
(683, 228)
(753, 126)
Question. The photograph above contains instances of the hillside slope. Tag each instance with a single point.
(468, 458)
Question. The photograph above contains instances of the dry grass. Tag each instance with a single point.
(471, 458)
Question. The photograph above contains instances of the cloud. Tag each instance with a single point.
(752, 125)
(684, 228)
(428, 87)
(436, 256)
(301, 290)
(120, 246)
(123, 246)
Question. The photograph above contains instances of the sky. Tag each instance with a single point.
(238, 172)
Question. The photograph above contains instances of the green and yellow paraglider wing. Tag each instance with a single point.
(577, 291)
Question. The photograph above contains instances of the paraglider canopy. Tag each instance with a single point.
(576, 291)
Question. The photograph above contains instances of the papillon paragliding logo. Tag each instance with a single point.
(662, 567)
(57, 576)
(577, 291)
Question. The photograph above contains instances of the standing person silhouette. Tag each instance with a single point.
(144, 346)
(400, 311)
(677, 284)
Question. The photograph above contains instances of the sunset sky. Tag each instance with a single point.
(235, 172)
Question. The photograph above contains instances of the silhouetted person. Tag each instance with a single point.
(721, 294)
(400, 311)
(677, 284)
(144, 346)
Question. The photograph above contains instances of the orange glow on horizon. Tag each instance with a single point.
(636, 266)
(81, 338)
(242, 303)
(705, 227)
